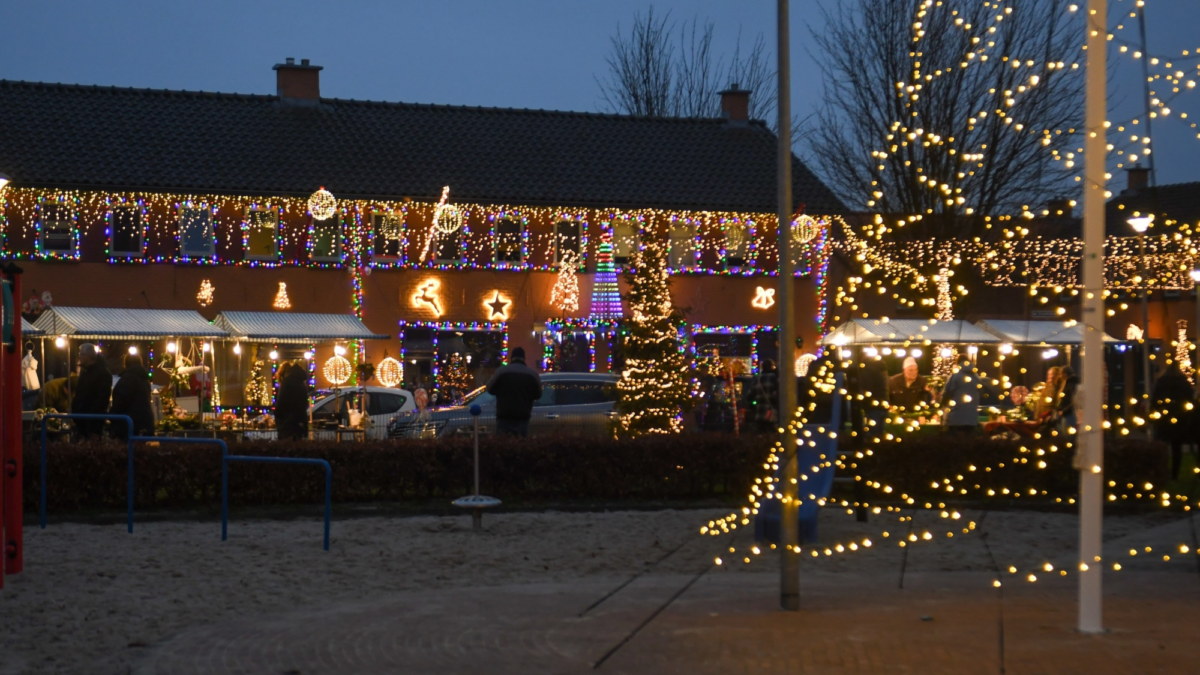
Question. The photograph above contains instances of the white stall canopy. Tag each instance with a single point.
(1037, 332)
(293, 327)
(98, 323)
(906, 331)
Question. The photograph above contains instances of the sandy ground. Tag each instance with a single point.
(92, 596)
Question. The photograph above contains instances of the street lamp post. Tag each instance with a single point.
(1195, 274)
(1140, 224)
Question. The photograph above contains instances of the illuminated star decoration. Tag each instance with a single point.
(764, 298)
(426, 295)
(498, 307)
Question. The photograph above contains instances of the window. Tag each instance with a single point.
(388, 228)
(196, 233)
(567, 241)
(58, 229)
(509, 240)
(385, 404)
(583, 392)
(125, 232)
(683, 246)
(547, 397)
(625, 241)
(262, 227)
(325, 242)
(449, 247)
(737, 244)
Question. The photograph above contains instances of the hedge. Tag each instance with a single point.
(92, 475)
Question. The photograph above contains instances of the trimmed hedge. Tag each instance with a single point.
(686, 467)
(92, 475)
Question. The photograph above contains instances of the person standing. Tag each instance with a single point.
(1065, 408)
(762, 400)
(516, 386)
(960, 399)
(131, 396)
(93, 392)
(909, 389)
(291, 403)
(1172, 394)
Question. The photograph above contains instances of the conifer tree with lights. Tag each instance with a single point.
(653, 387)
(565, 295)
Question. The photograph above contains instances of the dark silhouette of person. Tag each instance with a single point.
(291, 403)
(1172, 393)
(131, 396)
(516, 386)
(93, 391)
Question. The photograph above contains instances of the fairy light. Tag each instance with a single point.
(322, 204)
(337, 370)
(390, 372)
(205, 295)
(565, 294)
(764, 298)
(281, 298)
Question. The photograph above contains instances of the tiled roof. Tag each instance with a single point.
(124, 324)
(105, 137)
(293, 327)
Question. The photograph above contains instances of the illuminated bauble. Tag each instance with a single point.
(337, 370)
(390, 372)
(447, 218)
(322, 205)
(735, 236)
(803, 362)
(805, 229)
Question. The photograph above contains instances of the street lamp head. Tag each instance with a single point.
(4, 180)
(1195, 274)
(1140, 223)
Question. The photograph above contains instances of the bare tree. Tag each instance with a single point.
(649, 75)
(948, 111)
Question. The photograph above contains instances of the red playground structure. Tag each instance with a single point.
(10, 424)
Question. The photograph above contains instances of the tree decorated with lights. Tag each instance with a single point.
(653, 387)
(565, 295)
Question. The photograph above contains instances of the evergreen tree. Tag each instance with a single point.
(565, 294)
(652, 389)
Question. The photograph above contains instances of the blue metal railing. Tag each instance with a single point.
(225, 459)
(81, 416)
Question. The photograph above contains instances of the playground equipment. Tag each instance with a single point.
(476, 502)
(815, 458)
(12, 559)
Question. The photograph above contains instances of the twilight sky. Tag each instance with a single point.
(527, 53)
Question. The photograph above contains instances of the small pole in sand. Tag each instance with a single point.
(476, 502)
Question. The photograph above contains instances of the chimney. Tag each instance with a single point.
(1060, 207)
(1139, 178)
(735, 103)
(298, 83)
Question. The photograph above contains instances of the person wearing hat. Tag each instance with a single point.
(762, 399)
(516, 386)
(93, 392)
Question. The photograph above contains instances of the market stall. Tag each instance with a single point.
(450, 358)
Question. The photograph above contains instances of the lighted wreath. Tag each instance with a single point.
(337, 370)
(390, 372)
(322, 204)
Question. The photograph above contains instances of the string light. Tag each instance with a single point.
(497, 307)
(565, 294)
(337, 369)
(281, 298)
(205, 295)
(426, 296)
(764, 298)
(390, 372)
(322, 204)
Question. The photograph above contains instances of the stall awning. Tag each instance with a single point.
(97, 323)
(1037, 332)
(293, 327)
(29, 330)
(900, 331)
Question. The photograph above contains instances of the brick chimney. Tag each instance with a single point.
(298, 83)
(1139, 178)
(735, 103)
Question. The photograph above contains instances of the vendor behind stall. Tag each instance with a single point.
(909, 388)
(961, 398)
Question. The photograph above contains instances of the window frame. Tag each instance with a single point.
(139, 224)
(624, 261)
(579, 240)
(71, 252)
(694, 248)
(376, 233)
(339, 246)
(248, 226)
(461, 246)
(521, 234)
(211, 234)
(747, 245)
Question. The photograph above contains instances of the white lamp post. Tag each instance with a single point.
(1140, 224)
(1195, 274)
(4, 181)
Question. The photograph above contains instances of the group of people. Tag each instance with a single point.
(1055, 404)
(91, 392)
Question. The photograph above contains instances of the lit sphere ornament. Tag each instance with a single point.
(735, 236)
(322, 204)
(337, 370)
(447, 219)
(390, 372)
(805, 229)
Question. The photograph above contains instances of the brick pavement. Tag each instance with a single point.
(726, 623)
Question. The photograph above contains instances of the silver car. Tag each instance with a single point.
(571, 403)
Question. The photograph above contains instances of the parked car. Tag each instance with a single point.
(382, 404)
(571, 403)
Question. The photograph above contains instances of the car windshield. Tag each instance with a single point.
(479, 396)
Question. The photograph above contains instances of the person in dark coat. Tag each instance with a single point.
(131, 396)
(93, 392)
(1172, 393)
(762, 399)
(1065, 408)
(291, 403)
(909, 389)
(870, 381)
(960, 399)
(516, 386)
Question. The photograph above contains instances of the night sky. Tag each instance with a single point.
(528, 54)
